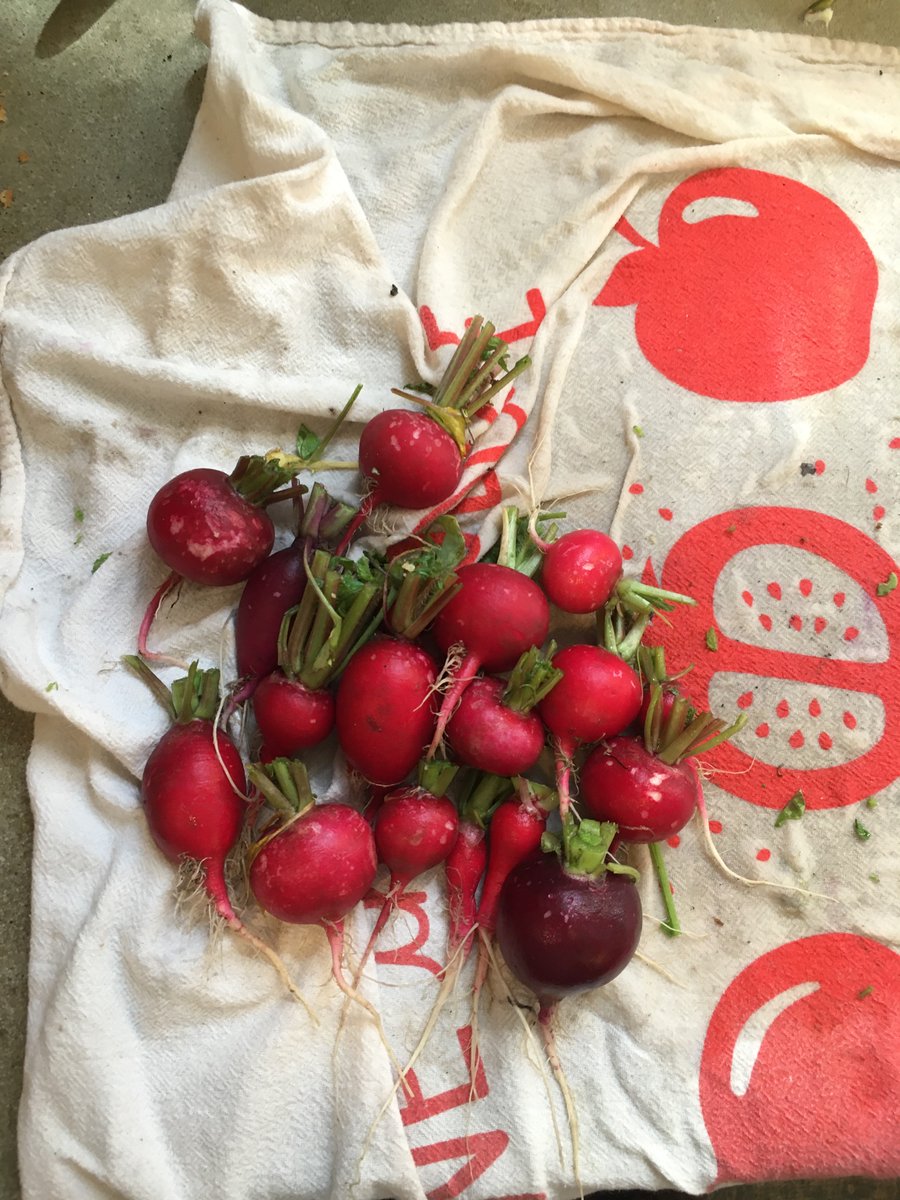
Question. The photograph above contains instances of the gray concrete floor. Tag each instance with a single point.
(99, 97)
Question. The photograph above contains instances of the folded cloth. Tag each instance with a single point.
(692, 232)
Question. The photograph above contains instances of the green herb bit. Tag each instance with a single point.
(885, 589)
(860, 830)
(873, 878)
(637, 430)
(52, 686)
(98, 562)
(866, 991)
(871, 802)
(78, 515)
(712, 639)
(792, 811)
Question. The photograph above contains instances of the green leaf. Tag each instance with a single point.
(873, 878)
(99, 561)
(52, 686)
(712, 639)
(860, 830)
(866, 991)
(792, 811)
(885, 589)
(79, 515)
(307, 442)
(637, 430)
(871, 802)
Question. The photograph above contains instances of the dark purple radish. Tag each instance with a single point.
(580, 569)
(566, 925)
(415, 830)
(315, 865)
(495, 617)
(495, 728)
(193, 792)
(384, 708)
(277, 584)
(598, 696)
(648, 786)
(415, 459)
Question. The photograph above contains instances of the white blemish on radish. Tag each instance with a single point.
(201, 550)
(176, 525)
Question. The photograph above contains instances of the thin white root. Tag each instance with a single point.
(723, 866)
(568, 1101)
(699, 937)
(651, 962)
(267, 952)
(234, 787)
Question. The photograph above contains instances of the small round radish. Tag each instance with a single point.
(291, 717)
(496, 616)
(208, 526)
(409, 458)
(563, 933)
(649, 800)
(599, 695)
(580, 570)
(383, 708)
(484, 733)
(415, 459)
(316, 869)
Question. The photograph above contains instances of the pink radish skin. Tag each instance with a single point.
(383, 709)
(205, 531)
(464, 869)
(485, 734)
(580, 570)
(414, 831)
(291, 717)
(409, 458)
(497, 614)
(648, 799)
(316, 869)
(273, 587)
(598, 696)
(192, 810)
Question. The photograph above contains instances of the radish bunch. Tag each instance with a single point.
(435, 678)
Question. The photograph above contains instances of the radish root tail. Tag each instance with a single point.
(545, 1017)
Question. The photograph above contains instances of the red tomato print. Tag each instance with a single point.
(730, 306)
(800, 1072)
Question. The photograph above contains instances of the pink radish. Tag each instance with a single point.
(338, 612)
(467, 861)
(415, 829)
(494, 728)
(315, 865)
(496, 616)
(580, 569)
(647, 786)
(415, 459)
(383, 708)
(597, 696)
(192, 792)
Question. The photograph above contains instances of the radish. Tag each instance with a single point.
(314, 864)
(496, 616)
(468, 859)
(597, 696)
(494, 728)
(415, 459)
(648, 787)
(192, 792)
(338, 612)
(415, 829)
(383, 708)
(580, 569)
(567, 923)
(277, 584)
